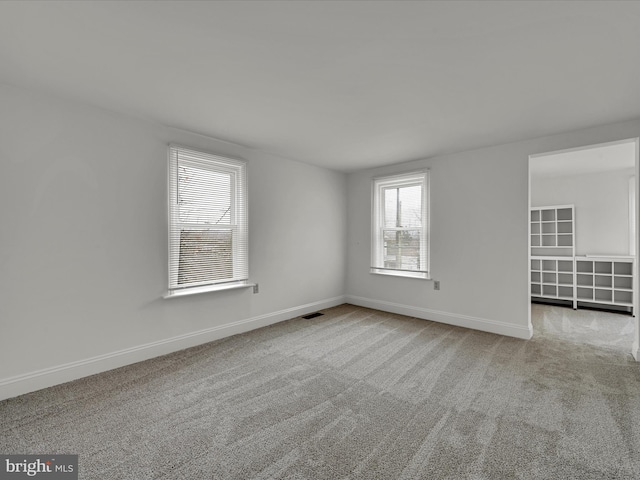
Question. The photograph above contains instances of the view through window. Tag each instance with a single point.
(208, 228)
(400, 234)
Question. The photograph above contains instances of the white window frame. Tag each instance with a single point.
(184, 156)
(377, 235)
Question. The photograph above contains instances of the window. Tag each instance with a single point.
(207, 221)
(400, 237)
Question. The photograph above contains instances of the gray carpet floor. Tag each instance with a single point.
(594, 327)
(355, 394)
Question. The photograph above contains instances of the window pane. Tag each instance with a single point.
(205, 255)
(401, 249)
(390, 207)
(411, 206)
(403, 206)
(204, 196)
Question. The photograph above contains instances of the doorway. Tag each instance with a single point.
(582, 244)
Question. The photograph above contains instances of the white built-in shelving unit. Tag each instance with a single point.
(558, 274)
(552, 230)
(605, 280)
(552, 277)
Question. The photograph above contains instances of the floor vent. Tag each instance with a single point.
(313, 315)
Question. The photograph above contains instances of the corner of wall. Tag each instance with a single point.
(466, 321)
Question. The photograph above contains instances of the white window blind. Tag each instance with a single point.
(400, 236)
(207, 220)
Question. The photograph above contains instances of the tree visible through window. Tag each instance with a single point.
(208, 230)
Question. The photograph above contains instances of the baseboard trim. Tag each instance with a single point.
(29, 382)
(475, 323)
(636, 351)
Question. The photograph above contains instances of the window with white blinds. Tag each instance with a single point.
(400, 236)
(207, 221)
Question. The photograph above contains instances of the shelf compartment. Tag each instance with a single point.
(535, 264)
(603, 267)
(584, 280)
(603, 281)
(625, 298)
(564, 227)
(584, 293)
(535, 215)
(603, 295)
(549, 290)
(549, 240)
(535, 240)
(549, 265)
(565, 240)
(535, 277)
(565, 292)
(565, 278)
(583, 266)
(535, 289)
(565, 214)
(535, 228)
(548, 228)
(565, 266)
(623, 268)
(549, 278)
(623, 282)
(548, 215)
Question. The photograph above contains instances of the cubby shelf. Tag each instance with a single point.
(552, 230)
(552, 277)
(597, 280)
(605, 280)
(558, 274)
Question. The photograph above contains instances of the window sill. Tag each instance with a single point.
(391, 273)
(207, 289)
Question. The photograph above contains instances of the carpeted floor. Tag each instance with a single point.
(356, 394)
(594, 327)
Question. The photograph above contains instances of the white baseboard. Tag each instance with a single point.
(475, 323)
(636, 351)
(29, 382)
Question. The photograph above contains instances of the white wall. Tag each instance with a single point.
(83, 240)
(601, 203)
(83, 243)
(479, 229)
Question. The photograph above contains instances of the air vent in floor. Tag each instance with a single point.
(313, 315)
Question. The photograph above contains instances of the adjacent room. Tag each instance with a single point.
(276, 239)
(583, 240)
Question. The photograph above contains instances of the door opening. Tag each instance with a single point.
(582, 244)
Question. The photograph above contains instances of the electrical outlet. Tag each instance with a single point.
(256, 289)
(436, 285)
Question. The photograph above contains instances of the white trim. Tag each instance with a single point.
(47, 377)
(205, 289)
(475, 323)
(632, 215)
(400, 273)
(411, 173)
(635, 351)
(584, 147)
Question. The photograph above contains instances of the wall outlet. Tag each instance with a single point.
(436, 284)
(256, 288)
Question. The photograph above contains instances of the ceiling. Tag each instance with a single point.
(590, 160)
(345, 84)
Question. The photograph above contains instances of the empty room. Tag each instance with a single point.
(297, 239)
